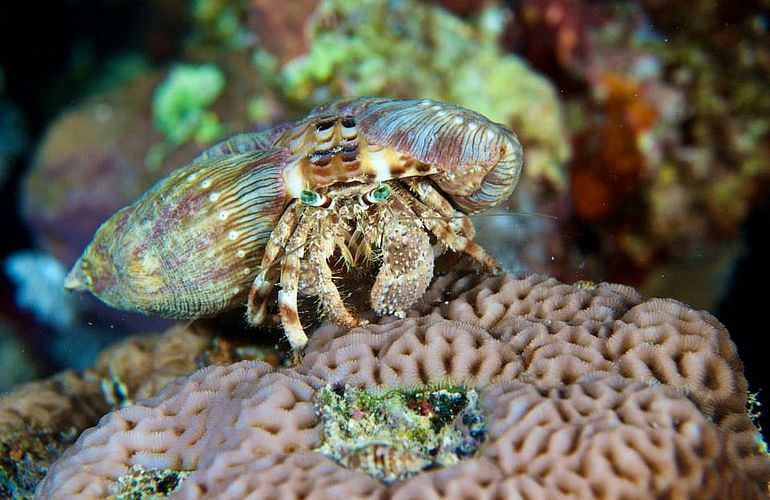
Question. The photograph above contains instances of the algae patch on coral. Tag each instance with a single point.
(392, 434)
(141, 483)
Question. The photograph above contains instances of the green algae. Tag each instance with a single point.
(180, 109)
(392, 434)
(146, 484)
(180, 104)
(221, 23)
(397, 48)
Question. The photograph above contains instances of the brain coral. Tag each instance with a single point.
(587, 391)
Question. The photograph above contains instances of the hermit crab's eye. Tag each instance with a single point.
(313, 198)
(380, 193)
(376, 195)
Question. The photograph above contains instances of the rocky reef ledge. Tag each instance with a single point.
(496, 387)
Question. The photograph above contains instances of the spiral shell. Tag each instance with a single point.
(385, 462)
(190, 246)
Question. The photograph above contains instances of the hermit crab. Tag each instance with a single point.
(368, 181)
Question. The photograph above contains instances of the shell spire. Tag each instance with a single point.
(189, 246)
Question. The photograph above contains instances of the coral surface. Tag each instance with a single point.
(394, 434)
(38, 422)
(585, 389)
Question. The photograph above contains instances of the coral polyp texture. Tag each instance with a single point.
(371, 180)
(583, 390)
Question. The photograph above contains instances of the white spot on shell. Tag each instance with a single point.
(206, 183)
(223, 214)
(246, 270)
(232, 235)
(437, 107)
(192, 176)
(214, 196)
(458, 120)
(425, 102)
(490, 135)
(240, 253)
(236, 290)
(472, 126)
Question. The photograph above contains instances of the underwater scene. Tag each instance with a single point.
(408, 249)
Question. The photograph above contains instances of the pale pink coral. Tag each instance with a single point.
(586, 390)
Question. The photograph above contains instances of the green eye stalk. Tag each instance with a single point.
(380, 193)
(377, 195)
(313, 198)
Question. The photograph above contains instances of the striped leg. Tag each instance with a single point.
(262, 287)
(432, 197)
(458, 239)
(287, 296)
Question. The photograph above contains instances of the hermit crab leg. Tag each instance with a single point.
(319, 251)
(290, 272)
(478, 253)
(433, 198)
(430, 196)
(262, 288)
(448, 235)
